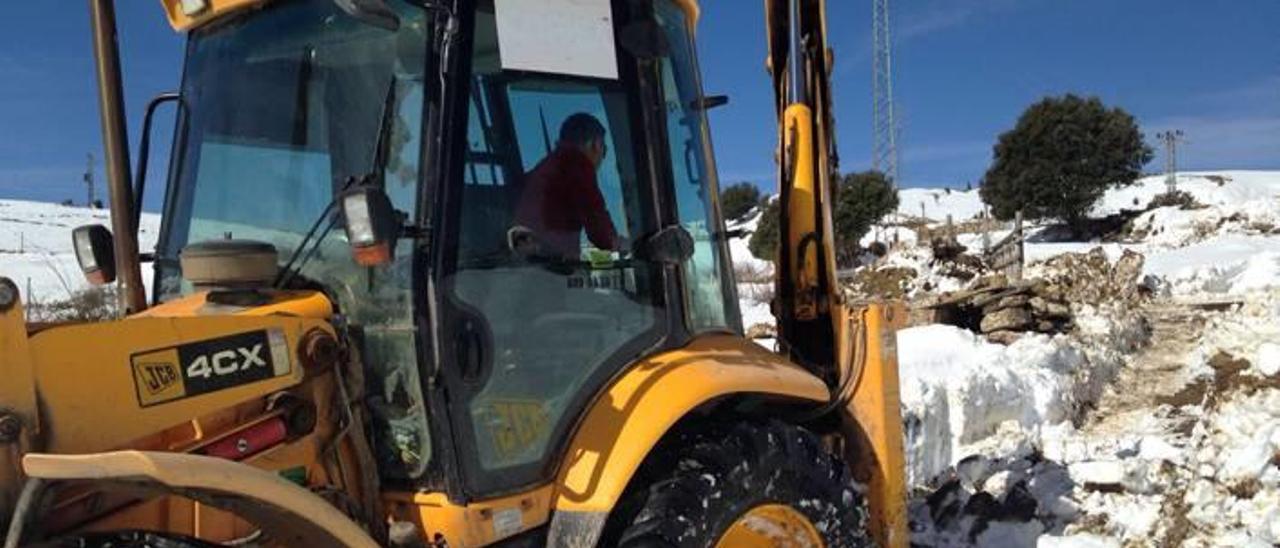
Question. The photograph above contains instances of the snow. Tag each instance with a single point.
(35, 247)
(1237, 187)
(938, 203)
(1230, 264)
(1267, 359)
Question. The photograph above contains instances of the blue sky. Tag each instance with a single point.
(966, 69)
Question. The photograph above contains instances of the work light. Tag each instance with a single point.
(192, 8)
(371, 224)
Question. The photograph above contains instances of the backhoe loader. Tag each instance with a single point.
(348, 338)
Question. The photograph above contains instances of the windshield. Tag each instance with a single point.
(285, 106)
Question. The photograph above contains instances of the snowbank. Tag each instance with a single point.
(958, 389)
(1227, 264)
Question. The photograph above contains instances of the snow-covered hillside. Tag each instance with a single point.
(1150, 423)
(936, 203)
(35, 246)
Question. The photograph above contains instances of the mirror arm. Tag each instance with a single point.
(144, 151)
(708, 102)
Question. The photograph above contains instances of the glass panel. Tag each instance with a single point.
(695, 187)
(545, 297)
(286, 105)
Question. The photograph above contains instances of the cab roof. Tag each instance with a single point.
(217, 9)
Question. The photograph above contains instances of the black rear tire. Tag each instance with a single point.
(127, 539)
(706, 479)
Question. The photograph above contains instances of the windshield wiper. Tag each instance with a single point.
(381, 157)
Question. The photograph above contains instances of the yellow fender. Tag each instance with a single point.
(632, 415)
(284, 511)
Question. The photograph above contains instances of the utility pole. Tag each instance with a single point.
(1171, 139)
(884, 156)
(88, 181)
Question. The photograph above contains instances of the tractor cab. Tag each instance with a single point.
(416, 163)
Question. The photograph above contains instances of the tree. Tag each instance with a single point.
(861, 199)
(738, 200)
(1061, 157)
(864, 199)
(764, 241)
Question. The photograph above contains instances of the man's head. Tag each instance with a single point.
(584, 132)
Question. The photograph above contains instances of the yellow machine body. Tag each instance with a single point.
(134, 446)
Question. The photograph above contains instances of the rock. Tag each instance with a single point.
(1009, 319)
(1004, 337)
(1012, 301)
(994, 280)
(1048, 308)
(1128, 269)
(1155, 449)
(998, 484)
(1019, 504)
(992, 297)
(1105, 476)
(1267, 361)
(761, 331)
(973, 470)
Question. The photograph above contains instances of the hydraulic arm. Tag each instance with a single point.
(850, 347)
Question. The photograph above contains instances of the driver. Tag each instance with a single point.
(562, 197)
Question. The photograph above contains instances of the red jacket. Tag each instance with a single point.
(561, 198)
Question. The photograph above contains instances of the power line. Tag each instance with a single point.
(884, 156)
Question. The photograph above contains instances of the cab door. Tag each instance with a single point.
(529, 340)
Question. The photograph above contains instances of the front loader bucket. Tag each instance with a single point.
(18, 418)
(874, 418)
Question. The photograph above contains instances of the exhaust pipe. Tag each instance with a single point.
(115, 140)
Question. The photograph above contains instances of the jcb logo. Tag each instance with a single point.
(157, 377)
(227, 362)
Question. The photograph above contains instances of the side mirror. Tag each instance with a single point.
(372, 225)
(708, 102)
(95, 251)
(672, 245)
(373, 12)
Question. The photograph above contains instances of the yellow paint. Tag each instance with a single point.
(219, 8)
(874, 421)
(78, 366)
(17, 396)
(476, 524)
(771, 526)
(304, 304)
(285, 511)
(629, 418)
(798, 142)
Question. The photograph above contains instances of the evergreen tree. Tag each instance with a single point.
(764, 241)
(864, 199)
(1061, 157)
(738, 200)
